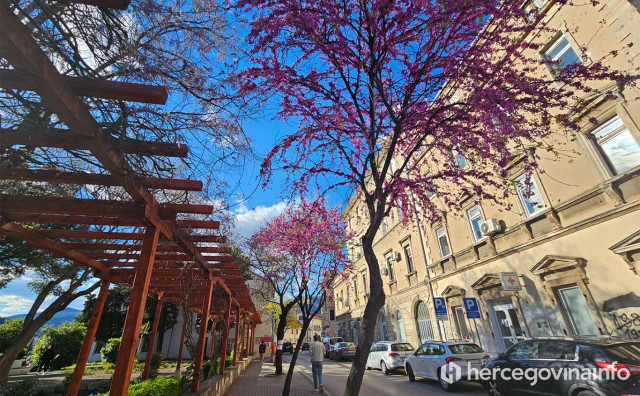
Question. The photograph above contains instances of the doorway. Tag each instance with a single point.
(506, 321)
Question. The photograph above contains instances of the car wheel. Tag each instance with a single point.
(448, 387)
(586, 392)
(412, 377)
(384, 368)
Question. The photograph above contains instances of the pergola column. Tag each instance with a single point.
(181, 349)
(253, 336)
(131, 331)
(152, 339)
(213, 342)
(225, 337)
(204, 320)
(92, 327)
(246, 338)
(237, 335)
(242, 328)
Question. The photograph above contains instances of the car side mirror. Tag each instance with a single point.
(502, 356)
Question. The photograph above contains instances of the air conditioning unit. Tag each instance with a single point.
(490, 227)
(397, 256)
(384, 270)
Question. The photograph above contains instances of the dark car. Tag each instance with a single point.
(306, 346)
(342, 350)
(287, 347)
(574, 367)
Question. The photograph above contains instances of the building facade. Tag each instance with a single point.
(562, 259)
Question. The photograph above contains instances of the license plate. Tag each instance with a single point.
(476, 361)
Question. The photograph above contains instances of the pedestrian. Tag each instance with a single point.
(262, 348)
(45, 359)
(317, 357)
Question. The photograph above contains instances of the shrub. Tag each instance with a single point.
(216, 366)
(66, 340)
(9, 329)
(156, 361)
(206, 369)
(229, 360)
(21, 388)
(109, 352)
(159, 386)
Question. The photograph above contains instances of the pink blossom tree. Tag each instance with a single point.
(374, 85)
(298, 253)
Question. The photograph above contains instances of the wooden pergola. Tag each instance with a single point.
(154, 247)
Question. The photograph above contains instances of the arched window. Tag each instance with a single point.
(382, 325)
(423, 323)
(402, 336)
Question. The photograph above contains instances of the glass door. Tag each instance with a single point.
(576, 310)
(461, 322)
(508, 323)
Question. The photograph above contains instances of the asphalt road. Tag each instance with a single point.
(334, 377)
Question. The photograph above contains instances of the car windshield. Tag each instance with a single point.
(625, 351)
(460, 349)
(401, 347)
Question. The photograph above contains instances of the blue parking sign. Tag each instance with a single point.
(472, 308)
(440, 306)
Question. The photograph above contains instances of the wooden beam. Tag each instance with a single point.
(237, 335)
(207, 238)
(170, 209)
(54, 176)
(152, 338)
(204, 321)
(68, 219)
(92, 328)
(225, 336)
(69, 206)
(116, 4)
(81, 234)
(35, 239)
(65, 139)
(126, 353)
(92, 87)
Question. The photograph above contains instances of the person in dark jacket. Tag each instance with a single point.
(46, 359)
(262, 349)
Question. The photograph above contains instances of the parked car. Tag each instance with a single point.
(287, 347)
(342, 350)
(388, 355)
(306, 346)
(603, 355)
(433, 356)
(328, 344)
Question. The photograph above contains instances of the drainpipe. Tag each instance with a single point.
(426, 264)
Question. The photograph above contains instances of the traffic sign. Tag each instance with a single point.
(472, 308)
(440, 307)
(510, 281)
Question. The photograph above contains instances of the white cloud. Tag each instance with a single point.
(13, 304)
(249, 220)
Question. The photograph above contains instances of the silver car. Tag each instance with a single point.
(432, 357)
(388, 355)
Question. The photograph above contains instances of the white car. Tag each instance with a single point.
(388, 355)
(432, 357)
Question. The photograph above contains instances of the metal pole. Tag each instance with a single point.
(477, 333)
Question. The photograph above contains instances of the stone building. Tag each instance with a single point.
(563, 260)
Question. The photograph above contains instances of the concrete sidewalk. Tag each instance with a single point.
(257, 380)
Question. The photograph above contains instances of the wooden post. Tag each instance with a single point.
(248, 343)
(181, 349)
(204, 321)
(92, 327)
(213, 343)
(237, 335)
(131, 331)
(242, 328)
(154, 330)
(246, 337)
(253, 338)
(225, 337)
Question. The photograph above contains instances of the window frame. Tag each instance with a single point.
(411, 267)
(598, 144)
(446, 237)
(521, 188)
(455, 154)
(471, 224)
(389, 261)
(553, 45)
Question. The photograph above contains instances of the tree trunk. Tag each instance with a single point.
(30, 327)
(375, 302)
(282, 326)
(292, 365)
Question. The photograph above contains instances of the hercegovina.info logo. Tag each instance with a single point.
(452, 372)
